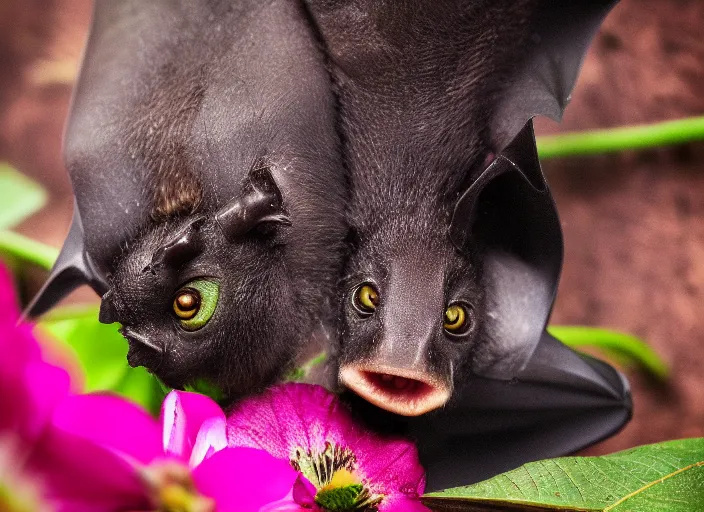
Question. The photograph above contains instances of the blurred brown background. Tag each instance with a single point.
(634, 223)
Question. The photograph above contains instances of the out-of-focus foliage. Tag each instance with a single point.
(20, 197)
(625, 349)
(101, 351)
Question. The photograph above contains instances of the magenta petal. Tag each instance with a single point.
(9, 312)
(211, 438)
(80, 475)
(290, 416)
(111, 422)
(244, 479)
(304, 492)
(402, 504)
(45, 386)
(293, 416)
(182, 415)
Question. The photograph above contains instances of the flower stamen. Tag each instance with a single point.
(332, 473)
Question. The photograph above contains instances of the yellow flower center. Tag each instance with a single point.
(333, 473)
(172, 489)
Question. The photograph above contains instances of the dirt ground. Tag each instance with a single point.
(633, 223)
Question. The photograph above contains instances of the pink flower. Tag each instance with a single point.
(116, 457)
(30, 389)
(345, 466)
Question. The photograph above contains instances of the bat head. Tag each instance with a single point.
(200, 296)
(426, 307)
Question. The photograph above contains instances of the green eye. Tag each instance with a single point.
(195, 303)
(366, 299)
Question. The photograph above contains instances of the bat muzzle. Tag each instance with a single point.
(407, 392)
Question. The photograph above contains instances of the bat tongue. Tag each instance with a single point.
(403, 391)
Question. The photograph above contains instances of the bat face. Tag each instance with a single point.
(204, 156)
(413, 312)
(191, 309)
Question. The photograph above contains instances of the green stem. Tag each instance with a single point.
(620, 139)
(26, 249)
(632, 348)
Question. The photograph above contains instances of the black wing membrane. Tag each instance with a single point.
(543, 81)
(109, 203)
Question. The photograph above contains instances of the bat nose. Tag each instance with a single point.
(403, 391)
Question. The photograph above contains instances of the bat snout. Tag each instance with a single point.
(406, 392)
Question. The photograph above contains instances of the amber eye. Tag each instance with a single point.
(195, 303)
(187, 303)
(366, 299)
(456, 319)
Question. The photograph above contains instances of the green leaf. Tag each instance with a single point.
(20, 197)
(101, 351)
(23, 249)
(626, 349)
(659, 477)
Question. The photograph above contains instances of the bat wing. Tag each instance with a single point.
(543, 81)
(109, 191)
(559, 403)
(72, 269)
(509, 210)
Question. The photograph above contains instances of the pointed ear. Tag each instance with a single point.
(509, 213)
(261, 203)
(72, 269)
(185, 245)
(544, 79)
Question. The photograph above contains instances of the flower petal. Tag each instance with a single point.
(9, 312)
(182, 415)
(244, 479)
(290, 416)
(77, 474)
(211, 438)
(402, 504)
(294, 416)
(111, 422)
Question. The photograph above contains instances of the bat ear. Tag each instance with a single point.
(72, 269)
(559, 403)
(560, 36)
(262, 203)
(185, 245)
(509, 213)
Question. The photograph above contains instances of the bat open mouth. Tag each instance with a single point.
(401, 391)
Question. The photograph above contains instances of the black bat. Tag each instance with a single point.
(204, 157)
(456, 243)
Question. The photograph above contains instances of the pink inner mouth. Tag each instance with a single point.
(404, 392)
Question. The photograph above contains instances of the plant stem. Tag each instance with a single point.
(621, 139)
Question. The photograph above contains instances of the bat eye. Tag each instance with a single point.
(457, 319)
(366, 299)
(195, 303)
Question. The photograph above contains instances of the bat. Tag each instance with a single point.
(203, 153)
(456, 247)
